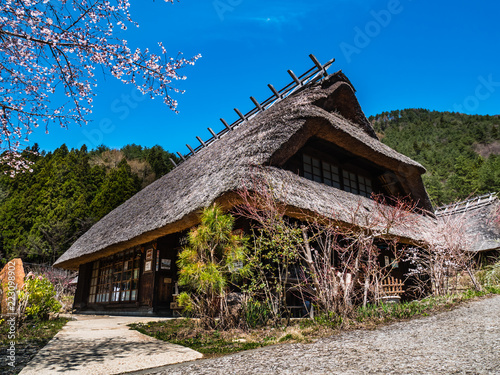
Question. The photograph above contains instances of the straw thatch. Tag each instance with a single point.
(481, 216)
(327, 110)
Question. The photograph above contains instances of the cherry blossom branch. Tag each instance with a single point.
(54, 47)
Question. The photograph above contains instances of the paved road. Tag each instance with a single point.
(463, 341)
(95, 345)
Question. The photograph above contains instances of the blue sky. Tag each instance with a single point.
(440, 55)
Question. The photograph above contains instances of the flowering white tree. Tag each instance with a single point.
(49, 52)
(448, 251)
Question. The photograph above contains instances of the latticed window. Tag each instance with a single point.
(116, 278)
(312, 169)
(350, 182)
(93, 282)
(365, 186)
(330, 174)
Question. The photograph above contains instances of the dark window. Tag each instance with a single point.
(330, 174)
(350, 182)
(365, 186)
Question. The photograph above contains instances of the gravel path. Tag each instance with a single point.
(463, 341)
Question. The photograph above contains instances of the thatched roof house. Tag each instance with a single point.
(316, 143)
(482, 215)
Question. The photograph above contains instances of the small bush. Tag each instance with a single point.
(38, 298)
(493, 289)
(328, 319)
(256, 313)
(490, 275)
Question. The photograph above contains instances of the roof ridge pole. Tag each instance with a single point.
(275, 92)
(182, 156)
(173, 162)
(190, 149)
(226, 124)
(213, 133)
(257, 104)
(294, 77)
(318, 64)
(240, 114)
(201, 141)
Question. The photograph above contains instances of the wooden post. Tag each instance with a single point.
(257, 104)
(201, 141)
(318, 65)
(275, 92)
(213, 133)
(243, 118)
(190, 149)
(294, 77)
(226, 124)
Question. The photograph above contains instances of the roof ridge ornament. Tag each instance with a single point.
(314, 74)
(466, 205)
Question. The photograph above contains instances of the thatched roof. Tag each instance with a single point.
(481, 215)
(327, 110)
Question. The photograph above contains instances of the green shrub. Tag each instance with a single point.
(490, 275)
(256, 313)
(329, 319)
(38, 298)
(493, 289)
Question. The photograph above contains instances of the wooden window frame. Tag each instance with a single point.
(117, 279)
(322, 171)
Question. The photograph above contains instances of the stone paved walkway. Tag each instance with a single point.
(462, 341)
(96, 345)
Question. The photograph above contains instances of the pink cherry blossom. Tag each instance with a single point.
(50, 49)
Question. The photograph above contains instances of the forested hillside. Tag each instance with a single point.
(42, 213)
(460, 152)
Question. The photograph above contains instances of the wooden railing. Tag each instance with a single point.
(392, 286)
(466, 205)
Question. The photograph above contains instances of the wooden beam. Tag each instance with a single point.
(240, 114)
(275, 92)
(213, 133)
(190, 149)
(173, 162)
(294, 77)
(257, 104)
(181, 156)
(318, 64)
(226, 124)
(201, 141)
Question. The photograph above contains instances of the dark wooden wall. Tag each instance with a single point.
(83, 286)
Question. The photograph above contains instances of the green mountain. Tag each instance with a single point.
(460, 152)
(43, 212)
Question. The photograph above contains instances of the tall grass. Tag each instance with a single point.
(490, 275)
